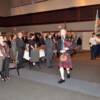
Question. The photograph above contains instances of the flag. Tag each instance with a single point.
(96, 22)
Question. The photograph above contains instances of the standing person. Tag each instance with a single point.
(42, 49)
(5, 55)
(93, 43)
(6, 62)
(98, 45)
(13, 47)
(63, 33)
(49, 51)
(2, 54)
(32, 42)
(79, 43)
(59, 45)
(41, 41)
(20, 47)
(64, 64)
(33, 51)
(60, 40)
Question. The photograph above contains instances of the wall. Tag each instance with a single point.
(83, 29)
(2, 29)
(52, 5)
(76, 14)
(85, 38)
(76, 26)
(5, 6)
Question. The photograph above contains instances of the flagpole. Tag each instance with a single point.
(96, 22)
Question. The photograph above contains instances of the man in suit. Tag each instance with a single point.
(49, 50)
(20, 48)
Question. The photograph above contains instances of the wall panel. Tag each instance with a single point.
(74, 14)
(52, 5)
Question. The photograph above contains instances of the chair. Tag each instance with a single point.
(14, 66)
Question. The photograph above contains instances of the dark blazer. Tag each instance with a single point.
(20, 44)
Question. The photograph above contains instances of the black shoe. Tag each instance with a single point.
(68, 76)
(61, 81)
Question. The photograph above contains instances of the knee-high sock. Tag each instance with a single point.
(62, 73)
(68, 70)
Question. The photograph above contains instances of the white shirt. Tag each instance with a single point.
(93, 41)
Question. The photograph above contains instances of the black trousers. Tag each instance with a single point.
(93, 51)
(5, 68)
(98, 50)
(20, 58)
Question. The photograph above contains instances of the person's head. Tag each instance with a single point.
(13, 37)
(93, 34)
(5, 38)
(63, 32)
(49, 36)
(20, 35)
(1, 40)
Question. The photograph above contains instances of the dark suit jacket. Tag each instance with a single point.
(20, 44)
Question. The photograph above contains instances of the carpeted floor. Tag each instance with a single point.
(20, 89)
(83, 68)
(41, 84)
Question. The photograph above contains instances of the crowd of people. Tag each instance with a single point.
(37, 47)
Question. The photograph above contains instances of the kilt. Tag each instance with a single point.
(65, 65)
